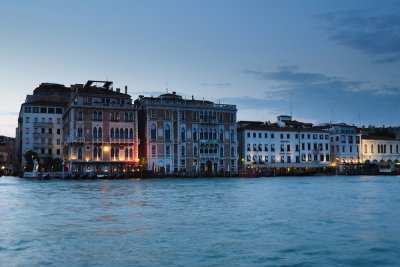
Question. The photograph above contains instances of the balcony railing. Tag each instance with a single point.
(44, 145)
(42, 135)
(42, 124)
(121, 140)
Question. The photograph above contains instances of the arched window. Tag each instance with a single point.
(379, 148)
(183, 134)
(100, 133)
(201, 115)
(131, 153)
(80, 132)
(100, 153)
(116, 133)
(130, 133)
(215, 151)
(94, 116)
(126, 133)
(112, 152)
(131, 116)
(221, 135)
(209, 134)
(126, 153)
(195, 150)
(117, 153)
(112, 134)
(153, 133)
(232, 136)
(167, 132)
(205, 134)
(121, 133)
(214, 134)
(194, 134)
(183, 151)
(201, 134)
(201, 149)
(365, 148)
(221, 151)
(126, 116)
(100, 116)
(116, 116)
(80, 153)
(205, 116)
(112, 117)
(167, 115)
(94, 132)
(372, 148)
(232, 151)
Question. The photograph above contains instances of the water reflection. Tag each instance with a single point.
(309, 221)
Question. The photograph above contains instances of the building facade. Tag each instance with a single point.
(40, 127)
(7, 155)
(345, 144)
(100, 130)
(379, 149)
(192, 136)
(283, 144)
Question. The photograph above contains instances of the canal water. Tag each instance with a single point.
(281, 221)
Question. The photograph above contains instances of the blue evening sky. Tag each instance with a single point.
(337, 59)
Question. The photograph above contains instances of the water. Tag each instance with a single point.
(300, 221)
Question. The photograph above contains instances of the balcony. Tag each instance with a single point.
(42, 135)
(44, 145)
(122, 140)
(43, 124)
(74, 140)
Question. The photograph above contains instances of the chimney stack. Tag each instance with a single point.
(126, 89)
(118, 90)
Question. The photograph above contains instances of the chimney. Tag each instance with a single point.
(126, 89)
(118, 90)
(174, 93)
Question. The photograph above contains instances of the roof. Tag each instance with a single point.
(372, 137)
(264, 127)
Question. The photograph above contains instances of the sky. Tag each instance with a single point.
(323, 61)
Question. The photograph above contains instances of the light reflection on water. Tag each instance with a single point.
(302, 221)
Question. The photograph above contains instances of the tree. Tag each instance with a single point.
(29, 157)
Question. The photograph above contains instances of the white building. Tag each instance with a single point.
(380, 149)
(286, 143)
(345, 144)
(40, 127)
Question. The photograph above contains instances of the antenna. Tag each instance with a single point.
(167, 87)
(291, 107)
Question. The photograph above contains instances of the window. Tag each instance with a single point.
(254, 135)
(232, 136)
(80, 132)
(94, 132)
(248, 147)
(27, 130)
(80, 153)
(272, 147)
(100, 116)
(254, 147)
(272, 159)
(100, 133)
(126, 149)
(183, 134)
(232, 151)
(288, 148)
(221, 135)
(58, 121)
(153, 150)
(58, 131)
(27, 120)
(265, 135)
(59, 110)
(282, 148)
(272, 136)
(167, 132)
(130, 152)
(126, 118)
(259, 147)
(194, 134)
(195, 150)
(130, 133)
(126, 136)
(131, 116)
(43, 110)
(27, 109)
(248, 135)
(288, 136)
(112, 117)
(167, 115)
(266, 147)
(183, 151)
(112, 133)
(58, 141)
(94, 116)
(281, 136)
(153, 132)
(221, 151)
(201, 133)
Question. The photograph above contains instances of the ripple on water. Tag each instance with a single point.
(311, 221)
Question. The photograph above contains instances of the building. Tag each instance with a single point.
(284, 144)
(100, 130)
(345, 144)
(7, 155)
(193, 137)
(380, 149)
(40, 128)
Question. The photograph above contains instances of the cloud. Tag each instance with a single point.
(377, 35)
(290, 79)
(219, 85)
